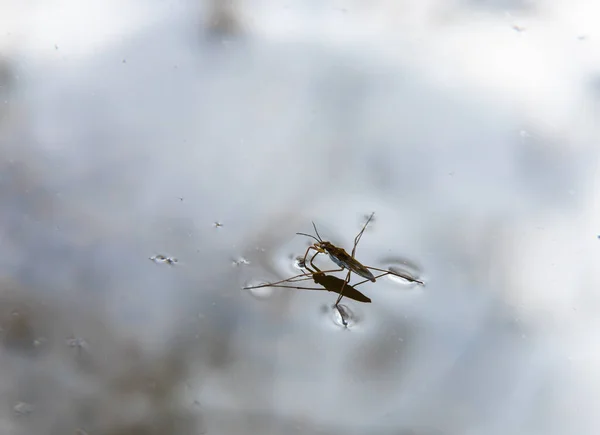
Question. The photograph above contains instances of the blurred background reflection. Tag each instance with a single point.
(157, 156)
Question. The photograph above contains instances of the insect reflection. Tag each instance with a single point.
(328, 282)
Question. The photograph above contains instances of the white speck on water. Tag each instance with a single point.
(524, 134)
(240, 261)
(162, 259)
(77, 342)
(39, 341)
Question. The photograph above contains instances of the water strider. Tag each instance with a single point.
(342, 259)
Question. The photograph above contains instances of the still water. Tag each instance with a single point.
(157, 157)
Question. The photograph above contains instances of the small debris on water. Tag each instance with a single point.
(163, 259)
(240, 261)
(77, 342)
(23, 408)
(299, 263)
(524, 134)
(39, 341)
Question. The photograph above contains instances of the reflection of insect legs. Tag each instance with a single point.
(317, 252)
(347, 280)
(298, 278)
(337, 302)
(330, 283)
(307, 276)
(333, 284)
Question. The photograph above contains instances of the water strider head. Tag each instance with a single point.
(339, 256)
(323, 245)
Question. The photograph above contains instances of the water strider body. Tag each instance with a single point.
(344, 260)
(339, 255)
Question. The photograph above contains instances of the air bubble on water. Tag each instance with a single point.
(261, 292)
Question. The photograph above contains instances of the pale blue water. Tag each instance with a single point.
(131, 146)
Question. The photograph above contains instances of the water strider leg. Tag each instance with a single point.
(359, 235)
(367, 280)
(356, 240)
(389, 272)
(300, 277)
(306, 253)
(332, 284)
(313, 264)
(296, 278)
(337, 307)
(313, 247)
(347, 280)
